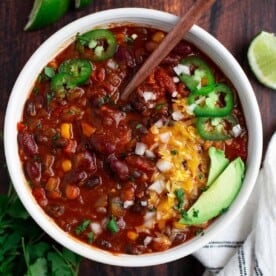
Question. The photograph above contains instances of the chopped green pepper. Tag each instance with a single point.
(217, 103)
(101, 42)
(79, 69)
(201, 74)
(112, 226)
(216, 128)
(82, 227)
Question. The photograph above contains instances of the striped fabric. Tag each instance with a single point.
(248, 248)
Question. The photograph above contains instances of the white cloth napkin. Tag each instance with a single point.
(249, 248)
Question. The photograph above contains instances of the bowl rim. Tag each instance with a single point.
(59, 40)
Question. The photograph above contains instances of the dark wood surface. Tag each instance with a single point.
(233, 22)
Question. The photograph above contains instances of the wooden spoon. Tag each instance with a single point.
(169, 42)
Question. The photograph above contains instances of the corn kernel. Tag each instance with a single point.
(66, 130)
(66, 165)
(158, 37)
(179, 226)
(132, 235)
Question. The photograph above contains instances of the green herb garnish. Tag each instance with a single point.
(112, 226)
(174, 152)
(82, 227)
(90, 237)
(195, 213)
(179, 193)
(160, 106)
(49, 72)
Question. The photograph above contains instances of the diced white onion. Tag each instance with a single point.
(149, 216)
(140, 148)
(128, 203)
(149, 153)
(159, 123)
(144, 203)
(182, 69)
(147, 240)
(163, 165)
(177, 115)
(165, 137)
(174, 94)
(112, 64)
(175, 79)
(101, 210)
(158, 186)
(236, 130)
(134, 36)
(96, 228)
(148, 95)
(121, 223)
(190, 109)
(149, 220)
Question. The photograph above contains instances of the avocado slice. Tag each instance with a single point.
(219, 195)
(217, 165)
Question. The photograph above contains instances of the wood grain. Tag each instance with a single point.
(233, 22)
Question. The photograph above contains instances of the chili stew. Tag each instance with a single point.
(120, 175)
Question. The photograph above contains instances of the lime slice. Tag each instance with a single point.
(82, 3)
(262, 58)
(46, 12)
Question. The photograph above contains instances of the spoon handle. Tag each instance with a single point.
(169, 42)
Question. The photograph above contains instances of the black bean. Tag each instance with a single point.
(93, 181)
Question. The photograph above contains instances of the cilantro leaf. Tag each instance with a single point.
(82, 227)
(49, 72)
(39, 267)
(179, 193)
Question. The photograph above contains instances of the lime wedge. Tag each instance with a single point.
(82, 3)
(262, 58)
(46, 12)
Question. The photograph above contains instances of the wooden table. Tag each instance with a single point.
(233, 22)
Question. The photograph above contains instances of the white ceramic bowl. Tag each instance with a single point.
(160, 20)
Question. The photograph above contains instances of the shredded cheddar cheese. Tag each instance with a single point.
(180, 146)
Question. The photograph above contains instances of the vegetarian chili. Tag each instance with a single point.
(121, 175)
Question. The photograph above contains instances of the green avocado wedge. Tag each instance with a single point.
(217, 165)
(218, 197)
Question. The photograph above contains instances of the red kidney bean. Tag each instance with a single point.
(171, 59)
(55, 210)
(33, 170)
(27, 143)
(76, 177)
(85, 161)
(182, 48)
(125, 55)
(120, 168)
(140, 163)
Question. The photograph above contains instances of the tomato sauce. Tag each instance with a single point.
(79, 150)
